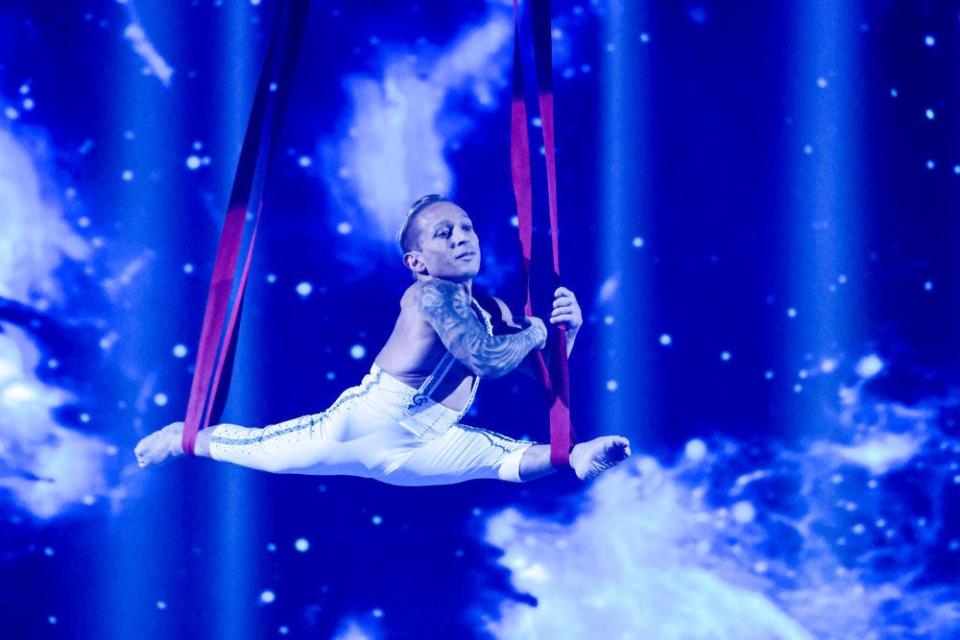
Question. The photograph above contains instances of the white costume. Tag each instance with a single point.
(382, 429)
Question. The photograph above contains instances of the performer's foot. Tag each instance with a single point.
(590, 459)
(160, 445)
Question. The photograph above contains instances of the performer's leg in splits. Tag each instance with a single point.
(399, 425)
(372, 432)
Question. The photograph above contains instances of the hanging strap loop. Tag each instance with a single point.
(225, 296)
(556, 377)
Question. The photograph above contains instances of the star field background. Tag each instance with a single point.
(758, 215)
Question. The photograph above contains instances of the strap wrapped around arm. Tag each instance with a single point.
(556, 377)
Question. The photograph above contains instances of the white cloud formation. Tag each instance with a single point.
(626, 568)
(44, 466)
(34, 237)
(741, 541)
(393, 150)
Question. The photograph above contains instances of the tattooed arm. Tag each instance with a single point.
(446, 307)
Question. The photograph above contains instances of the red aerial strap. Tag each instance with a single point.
(225, 297)
(556, 377)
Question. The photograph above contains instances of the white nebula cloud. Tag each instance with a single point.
(45, 467)
(883, 452)
(625, 568)
(34, 237)
(809, 543)
(393, 150)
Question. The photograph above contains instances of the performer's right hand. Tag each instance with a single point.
(539, 330)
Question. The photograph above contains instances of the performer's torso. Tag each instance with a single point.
(413, 350)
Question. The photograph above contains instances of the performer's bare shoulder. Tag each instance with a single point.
(413, 347)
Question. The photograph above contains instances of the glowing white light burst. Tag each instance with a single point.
(869, 366)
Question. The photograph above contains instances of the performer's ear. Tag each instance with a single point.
(412, 261)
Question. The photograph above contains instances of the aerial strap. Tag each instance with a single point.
(556, 376)
(225, 297)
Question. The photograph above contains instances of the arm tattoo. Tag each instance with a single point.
(447, 308)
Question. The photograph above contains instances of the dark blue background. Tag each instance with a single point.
(723, 99)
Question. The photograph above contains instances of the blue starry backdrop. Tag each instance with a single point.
(758, 208)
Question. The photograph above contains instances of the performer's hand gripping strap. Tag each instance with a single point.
(556, 378)
(225, 297)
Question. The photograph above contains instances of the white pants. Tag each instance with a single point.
(375, 430)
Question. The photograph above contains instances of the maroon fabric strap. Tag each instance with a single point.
(225, 297)
(556, 377)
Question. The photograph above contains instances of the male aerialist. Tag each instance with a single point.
(401, 425)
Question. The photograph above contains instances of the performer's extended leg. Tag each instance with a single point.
(318, 444)
(357, 435)
(464, 453)
(468, 453)
(167, 443)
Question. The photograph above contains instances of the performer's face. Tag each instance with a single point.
(449, 247)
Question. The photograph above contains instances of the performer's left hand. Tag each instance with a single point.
(566, 310)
